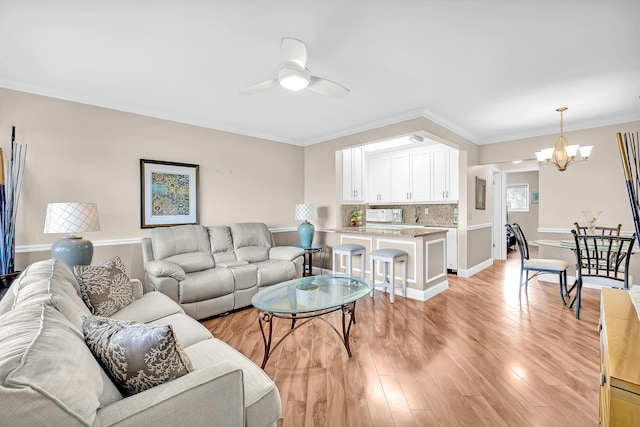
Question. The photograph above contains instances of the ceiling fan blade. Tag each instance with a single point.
(294, 53)
(259, 87)
(327, 87)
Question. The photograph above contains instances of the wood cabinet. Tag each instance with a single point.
(619, 356)
(352, 174)
(444, 174)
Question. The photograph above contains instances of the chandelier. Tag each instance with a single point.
(564, 153)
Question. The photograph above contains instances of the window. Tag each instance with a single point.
(518, 198)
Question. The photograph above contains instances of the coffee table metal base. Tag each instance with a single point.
(266, 318)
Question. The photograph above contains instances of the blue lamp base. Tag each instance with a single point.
(72, 251)
(306, 231)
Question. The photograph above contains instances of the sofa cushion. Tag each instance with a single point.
(169, 241)
(191, 262)
(50, 282)
(220, 238)
(204, 285)
(48, 376)
(187, 330)
(271, 272)
(261, 397)
(152, 306)
(251, 241)
(137, 356)
(105, 288)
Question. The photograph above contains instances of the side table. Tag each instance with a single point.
(307, 267)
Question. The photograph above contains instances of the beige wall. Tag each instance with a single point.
(83, 153)
(597, 183)
(528, 221)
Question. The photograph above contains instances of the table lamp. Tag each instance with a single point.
(306, 230)
(72, 218)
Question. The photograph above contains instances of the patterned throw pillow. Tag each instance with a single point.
(105, 288)
(136, 355)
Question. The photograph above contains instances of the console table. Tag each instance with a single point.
(619, 356)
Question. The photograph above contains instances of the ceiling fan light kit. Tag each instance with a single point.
(295, 76)
(293, 80)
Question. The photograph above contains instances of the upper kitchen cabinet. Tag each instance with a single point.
(444, 174)
(352, 170)
(410, 178)
(402, 176)
(379, 179)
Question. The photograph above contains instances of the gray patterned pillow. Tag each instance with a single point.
(106, 288)
(138, 356)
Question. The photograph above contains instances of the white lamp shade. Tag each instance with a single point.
(71, 218)
(585, 151)
(305, 212)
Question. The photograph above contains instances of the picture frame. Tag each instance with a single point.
(481, 194)
(535, 197)
(169, 193)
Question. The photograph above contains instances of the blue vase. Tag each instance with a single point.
(306, 231)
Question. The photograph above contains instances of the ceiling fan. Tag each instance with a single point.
(294, 75)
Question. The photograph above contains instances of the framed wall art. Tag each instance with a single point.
(481, 194)
(169, 193)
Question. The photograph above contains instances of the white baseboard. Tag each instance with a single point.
(468, 272)
(417, 294)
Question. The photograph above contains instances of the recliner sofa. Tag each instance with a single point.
(49, 376)
(216, 269)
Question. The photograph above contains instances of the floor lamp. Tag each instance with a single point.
(72, 218)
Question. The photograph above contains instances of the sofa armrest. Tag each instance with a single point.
(213, 395)
(136, 287)
(288, 253)
(159, 268)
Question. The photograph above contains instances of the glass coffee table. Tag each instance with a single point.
(305, 299)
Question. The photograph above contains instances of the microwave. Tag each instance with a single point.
(379, 215)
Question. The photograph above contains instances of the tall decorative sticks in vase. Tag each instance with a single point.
(630, 155)
(11, 178)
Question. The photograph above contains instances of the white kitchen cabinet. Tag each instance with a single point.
(410, 176)
(420, 176)
(352, 170)
(452, 249)
(379, 182)
(444, 174)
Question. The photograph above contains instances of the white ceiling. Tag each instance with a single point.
(490, 70)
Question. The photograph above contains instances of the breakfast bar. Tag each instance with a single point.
(427, 269)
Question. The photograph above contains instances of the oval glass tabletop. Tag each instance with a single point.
(308, 294)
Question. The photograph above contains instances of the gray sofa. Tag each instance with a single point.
(48, 376)
(216, 269)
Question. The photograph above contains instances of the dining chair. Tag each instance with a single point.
(538, 265)
(604, 260)
(602, 231)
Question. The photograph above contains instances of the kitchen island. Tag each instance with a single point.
(427, 269)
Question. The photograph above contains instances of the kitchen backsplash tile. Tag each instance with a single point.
(443, 215)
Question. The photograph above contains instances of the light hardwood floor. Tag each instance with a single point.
(475, 355)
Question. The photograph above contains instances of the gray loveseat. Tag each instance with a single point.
(216, 269)
(48, 376)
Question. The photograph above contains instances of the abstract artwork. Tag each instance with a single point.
(169, 193)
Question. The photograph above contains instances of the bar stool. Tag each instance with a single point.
(349, 251)
(389, 256)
